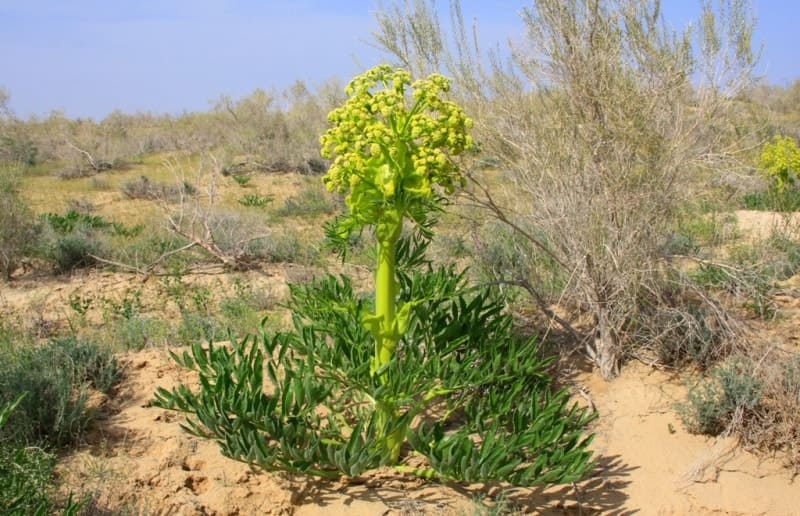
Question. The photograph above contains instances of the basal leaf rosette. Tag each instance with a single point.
(391, 143)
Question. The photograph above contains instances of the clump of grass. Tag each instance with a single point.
(771, 200)
(146, 247)
(751, 271)
(245, 308)
(503, 256)
(198, 320)
(685, 331)
(18, 228)
(74, 251)
(74, 240)
(255, 200)
(82, 206)
(755, 397)
(75, 172)
(128, 327)
(311, 202)
(144, 188)
(101, 185)
(58, 377)
(707, 228)
(285, 247)
(784, 252)
(139, 332)
(717, 401)
(241, 180)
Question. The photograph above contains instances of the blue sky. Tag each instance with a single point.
(89, 57)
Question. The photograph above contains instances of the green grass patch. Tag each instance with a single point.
(310, 202)
(772, 200)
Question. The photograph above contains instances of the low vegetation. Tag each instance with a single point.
(44, 393)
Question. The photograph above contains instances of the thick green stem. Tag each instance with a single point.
(387, 333)
(385, 305)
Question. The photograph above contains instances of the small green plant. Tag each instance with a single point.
(255, 200)
(712, 404)
(427, 365)
(71, 220)
(80, 305)
(241, 180)
(128, 307)
(121, 230)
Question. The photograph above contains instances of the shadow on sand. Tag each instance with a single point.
(602, 492)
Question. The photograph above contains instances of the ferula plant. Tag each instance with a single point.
(425, 374)
(780, 163)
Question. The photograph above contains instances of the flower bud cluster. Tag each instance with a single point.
(392, 141)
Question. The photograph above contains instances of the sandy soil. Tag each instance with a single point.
(759, 224)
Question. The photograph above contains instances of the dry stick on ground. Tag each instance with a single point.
(148, 270)
(193, 221)
(92, 163)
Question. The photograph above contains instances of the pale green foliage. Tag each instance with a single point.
(489, 413)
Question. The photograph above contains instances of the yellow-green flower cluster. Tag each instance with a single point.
(392, 141)
(780, 162)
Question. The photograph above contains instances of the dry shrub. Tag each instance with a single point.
(754, 396)
(277, 132)
(602, 119)
(775, 425)
(18, 227)
(77, 172)
(144, 188)
(229, 237)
